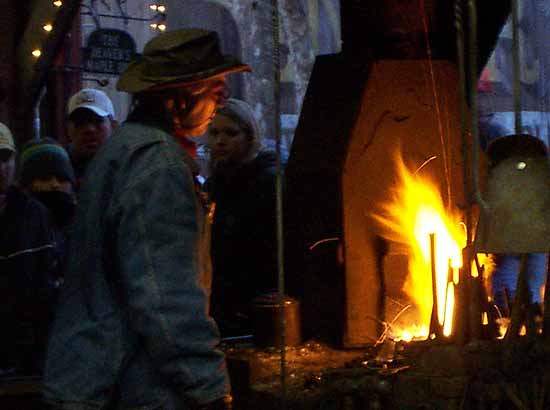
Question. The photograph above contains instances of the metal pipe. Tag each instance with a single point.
(435, 326)
(516, 68)
(36, 116)
(459, 24)
(279, 196)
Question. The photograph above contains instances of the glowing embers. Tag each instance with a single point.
(413, 215)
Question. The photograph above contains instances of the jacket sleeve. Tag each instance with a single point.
(157, 236)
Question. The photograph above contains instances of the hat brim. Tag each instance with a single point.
(132, 80)
(515, 144)
(94, 109)
(7, 147)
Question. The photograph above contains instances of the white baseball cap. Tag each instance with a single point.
(92, 99)
(6, 139)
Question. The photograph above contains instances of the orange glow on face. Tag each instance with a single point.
(415, 211)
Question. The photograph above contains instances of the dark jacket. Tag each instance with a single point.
(244, 251)
(30, 269)
(79, 168)
(132, 327)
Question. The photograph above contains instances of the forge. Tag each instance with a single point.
(378, 187)
(377, 113)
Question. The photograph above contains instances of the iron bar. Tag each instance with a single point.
(435, 327)
(516, 68)
(279, 195)
(472, 45)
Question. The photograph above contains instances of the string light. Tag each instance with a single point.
(47, 27)
(161, 8)
(159, 20)
(158, 26)
(57, 3)
(36, 53)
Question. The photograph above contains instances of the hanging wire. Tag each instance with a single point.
(436, 101)
(279, 195)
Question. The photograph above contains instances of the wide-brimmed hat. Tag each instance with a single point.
(178, 56)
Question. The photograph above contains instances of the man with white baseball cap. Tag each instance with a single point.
(90, 121)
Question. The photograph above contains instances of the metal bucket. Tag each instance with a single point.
(266, 321)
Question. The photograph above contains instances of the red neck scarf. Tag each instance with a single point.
(188, 146)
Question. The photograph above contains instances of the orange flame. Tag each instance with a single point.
(415, 211)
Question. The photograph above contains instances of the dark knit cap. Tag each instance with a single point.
(43, 159)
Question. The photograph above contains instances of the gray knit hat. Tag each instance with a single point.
(242, 113)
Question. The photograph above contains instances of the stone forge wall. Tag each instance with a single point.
(405, 115)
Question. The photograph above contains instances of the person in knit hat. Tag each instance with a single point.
(30, 268)
(46, 173)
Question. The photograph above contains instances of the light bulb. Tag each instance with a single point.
(47, 27)
(153, 7)
(161, 8)
(153, 26)
(520, 166)
(161, 27)
(57, 3)
(36, 52)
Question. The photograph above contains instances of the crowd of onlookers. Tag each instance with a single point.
(39, 185)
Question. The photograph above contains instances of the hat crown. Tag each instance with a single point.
(44, 158)
(92, 99)
(6, 138)
(178, 56)
(179, 39)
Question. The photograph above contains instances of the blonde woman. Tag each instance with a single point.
(242, 186)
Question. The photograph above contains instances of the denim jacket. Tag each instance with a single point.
(132, 326)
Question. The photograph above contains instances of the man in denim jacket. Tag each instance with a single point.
(132, 329)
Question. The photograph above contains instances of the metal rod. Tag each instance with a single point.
(37, 121)
(449, 281)
(519, 314)
(516, 68)
(279, 196)
(459, 24)
(435, 326)
(472, 44)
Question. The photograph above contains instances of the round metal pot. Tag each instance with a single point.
(266, 321)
